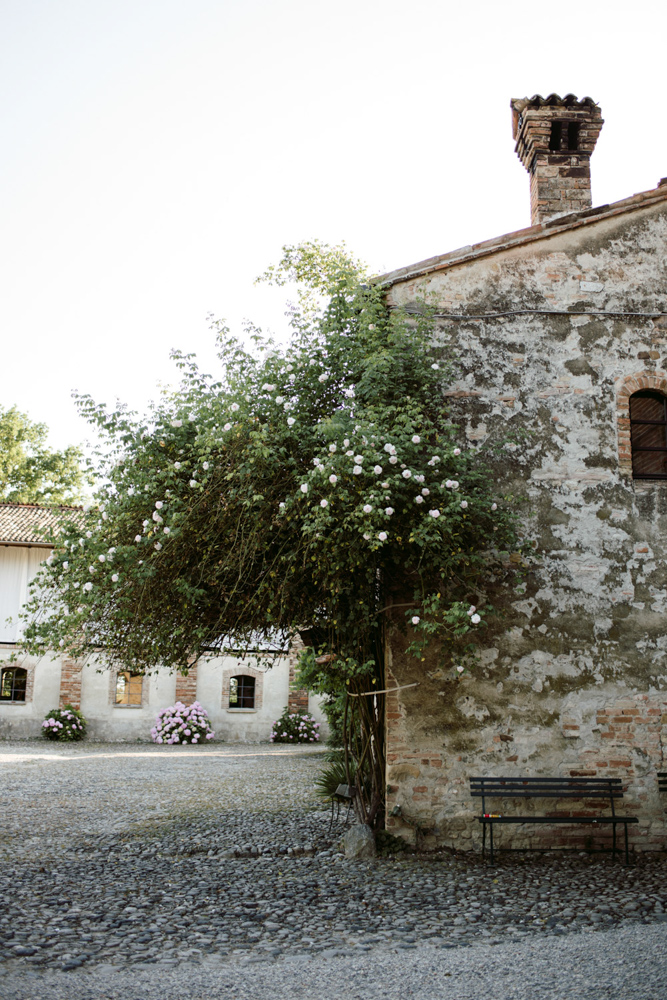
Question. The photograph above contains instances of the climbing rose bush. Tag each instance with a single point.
(182, 724)
(295, 727)
(64, 724)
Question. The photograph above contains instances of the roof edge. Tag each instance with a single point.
(544, 230)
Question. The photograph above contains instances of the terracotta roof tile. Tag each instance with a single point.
(27, 523)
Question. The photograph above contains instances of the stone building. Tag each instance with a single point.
(242, 696)
(560, 336)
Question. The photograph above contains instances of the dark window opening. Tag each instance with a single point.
(242, 692)
(129, 688)
(13, 683)
(648, 434)
(573, 135)
(555, 137)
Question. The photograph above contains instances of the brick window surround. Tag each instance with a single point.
(628, 386)
(237, 671)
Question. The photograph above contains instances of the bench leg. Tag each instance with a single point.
(483, 840)
(627, 855)
(491, 841)
(613, 847)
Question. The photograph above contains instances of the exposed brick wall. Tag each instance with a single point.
(186, 686)
(297, 699)
(70, 684)
(431, 786)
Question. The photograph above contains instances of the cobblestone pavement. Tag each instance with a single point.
(145, 858)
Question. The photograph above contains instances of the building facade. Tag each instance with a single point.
(559, 335)
(242, 696)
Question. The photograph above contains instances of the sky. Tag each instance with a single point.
(157, 154)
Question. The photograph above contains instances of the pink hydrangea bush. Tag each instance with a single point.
(295, 727)
(182, 724)
(65, 724)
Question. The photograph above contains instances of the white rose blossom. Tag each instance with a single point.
(234, 407)
(322, 378)
(137, 538)
(393, 460)
(177, 423)
(114, 578)
(406, 474)
(304, 487)
(280, 400)
(367, 508)
(333, 448)
(382, 535)
(390, 449)
(434, 513)
(377, 469)
(457, 451)
(419, 499)
(193, 483)
(88, 586)
(464, 504)
(415, 619)
(227, 427)
(159, 504)
(291, 421)
(281, 505)
(166, 530)
(333, 479)
(358, 459)
(102, 558)
(357, 470)
(494, 506)
(416, 439)
(471, 610)
(324, 503)
(349, 454)
(177, 465)
(346, 443)
(66, 565)
(425, 492)
(158, 546)
(475, 619)
(389, 511)
(367, 536)
(204, 466)
(435, 367)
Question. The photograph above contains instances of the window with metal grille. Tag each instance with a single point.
(242, 691)
(129, 688)
(648, 433)
(13, 682)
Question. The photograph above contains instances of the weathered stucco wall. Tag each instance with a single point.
(574, 678)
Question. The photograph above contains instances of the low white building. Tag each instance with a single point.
(243, 696)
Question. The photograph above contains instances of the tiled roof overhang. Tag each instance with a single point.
(522, 237)
(27, 524)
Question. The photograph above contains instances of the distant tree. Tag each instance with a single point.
(32, 473)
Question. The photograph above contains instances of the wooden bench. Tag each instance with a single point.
(607, 791)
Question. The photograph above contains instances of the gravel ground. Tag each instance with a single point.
(211, 872)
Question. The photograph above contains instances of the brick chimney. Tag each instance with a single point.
(555, 137)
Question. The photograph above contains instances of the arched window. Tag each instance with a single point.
(648, 434)
(242, 691)
(13, 682)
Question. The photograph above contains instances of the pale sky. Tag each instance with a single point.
(158, 153)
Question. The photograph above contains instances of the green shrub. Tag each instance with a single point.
(64, 724)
